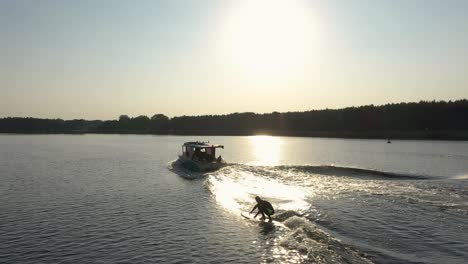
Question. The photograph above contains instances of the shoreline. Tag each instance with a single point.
(384, 135)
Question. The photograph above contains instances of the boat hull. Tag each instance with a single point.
(198, 166)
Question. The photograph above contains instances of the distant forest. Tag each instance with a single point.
(423, 120)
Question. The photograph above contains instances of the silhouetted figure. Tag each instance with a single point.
(196, 154)
(264, 207)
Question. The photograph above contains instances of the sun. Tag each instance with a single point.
(268, 37)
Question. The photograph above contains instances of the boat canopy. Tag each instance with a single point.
(198, 144)
(201, 151)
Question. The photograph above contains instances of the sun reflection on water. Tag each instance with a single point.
(235, 189)
(266, 149)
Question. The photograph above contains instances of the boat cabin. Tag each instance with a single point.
(200, 151)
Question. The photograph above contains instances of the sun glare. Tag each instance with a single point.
(268, 37)
(267, 149)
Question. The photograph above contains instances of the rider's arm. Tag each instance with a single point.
(255, 207)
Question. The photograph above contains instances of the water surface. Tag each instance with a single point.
(122, 199)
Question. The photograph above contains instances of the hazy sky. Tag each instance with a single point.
(100, 59)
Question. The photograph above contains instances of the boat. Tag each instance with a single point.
(201, 156)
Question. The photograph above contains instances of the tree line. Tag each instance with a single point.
(425, 119)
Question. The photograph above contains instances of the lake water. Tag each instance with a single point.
(122, 199)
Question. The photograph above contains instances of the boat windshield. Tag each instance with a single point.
(200, 153)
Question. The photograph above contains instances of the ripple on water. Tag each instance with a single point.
(111, 199)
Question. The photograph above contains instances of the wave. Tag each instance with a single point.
(300, 234)
(317, 245)
(309, 198)
(326, 170)
(331, 170)
(460, 177)
(177, 168)
(294, 229)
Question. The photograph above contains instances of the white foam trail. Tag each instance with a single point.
(235, 190)
(460, 177)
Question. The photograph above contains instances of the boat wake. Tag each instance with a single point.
(313, 203)
(296, 238)
(177, 168)
(331, 170)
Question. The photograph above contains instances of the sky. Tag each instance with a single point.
(100, 59)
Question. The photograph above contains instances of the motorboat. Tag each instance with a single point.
(201, 156)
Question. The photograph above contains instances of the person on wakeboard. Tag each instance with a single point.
(264, 207)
